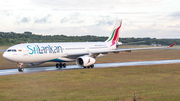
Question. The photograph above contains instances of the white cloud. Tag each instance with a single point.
(94, 4)
(141, 18)
(43, 20)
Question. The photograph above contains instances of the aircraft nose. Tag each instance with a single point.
(6, 56)
(10, 56)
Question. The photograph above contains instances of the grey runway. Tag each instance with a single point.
(70, 67)
(2, 50)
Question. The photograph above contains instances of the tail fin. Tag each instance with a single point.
(114, 36)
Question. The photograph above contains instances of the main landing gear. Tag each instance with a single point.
(91, 66)
(60, 65)
(20, 69)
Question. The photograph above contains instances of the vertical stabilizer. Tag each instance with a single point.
(114, 36)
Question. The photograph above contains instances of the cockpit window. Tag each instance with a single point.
(11, 50)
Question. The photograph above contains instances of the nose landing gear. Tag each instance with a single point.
(20, 69)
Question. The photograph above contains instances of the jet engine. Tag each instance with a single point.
(85, 61)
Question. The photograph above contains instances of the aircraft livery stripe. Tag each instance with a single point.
(112, 35)
(117, 37)
(116, 33)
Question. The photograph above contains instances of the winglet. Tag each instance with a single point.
(172, 45)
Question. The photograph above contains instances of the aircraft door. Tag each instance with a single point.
(25, 51)
(87, 48)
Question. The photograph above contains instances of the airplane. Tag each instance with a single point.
(83, 53)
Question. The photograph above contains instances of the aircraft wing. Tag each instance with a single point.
(96, 53)
(122, 44)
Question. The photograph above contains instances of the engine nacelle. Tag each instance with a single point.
(85, 61)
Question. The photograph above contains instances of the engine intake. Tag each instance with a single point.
(85, 61)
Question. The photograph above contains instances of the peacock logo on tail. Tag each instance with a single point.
(114, 37)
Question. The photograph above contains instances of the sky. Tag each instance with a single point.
(140, 18)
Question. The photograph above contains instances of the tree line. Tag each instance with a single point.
(12, 38)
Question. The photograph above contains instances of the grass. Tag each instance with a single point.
(151, 83)
(4, 47)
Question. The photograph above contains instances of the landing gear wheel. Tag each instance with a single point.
(64, 65)
(92, 66)
(60, 65)
(57, 65)
(20, 69)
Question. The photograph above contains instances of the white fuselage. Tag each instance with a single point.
(53, 52)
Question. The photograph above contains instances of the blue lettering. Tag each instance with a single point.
(34, 52)
(44, 49)
(30, 49)
(58, 48)
(37, 50)
(50, 49)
